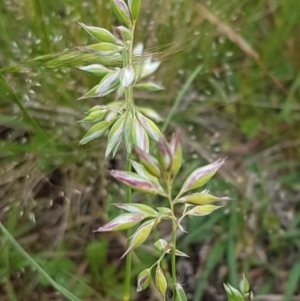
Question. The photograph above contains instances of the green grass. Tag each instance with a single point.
(34, 263)
(55, 192)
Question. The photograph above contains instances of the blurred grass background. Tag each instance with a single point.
(235, 75)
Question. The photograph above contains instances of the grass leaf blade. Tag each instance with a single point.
(17, 246)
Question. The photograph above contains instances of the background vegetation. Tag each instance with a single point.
(233, 68)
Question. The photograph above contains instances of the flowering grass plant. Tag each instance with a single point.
(152, 174)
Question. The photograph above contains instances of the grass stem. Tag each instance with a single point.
(128, 256)
(173, 256)
(127, 60)
(174, 229)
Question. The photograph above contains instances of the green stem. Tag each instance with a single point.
(174, 228)
(127, 60)
(173, 256)
(128, 256)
